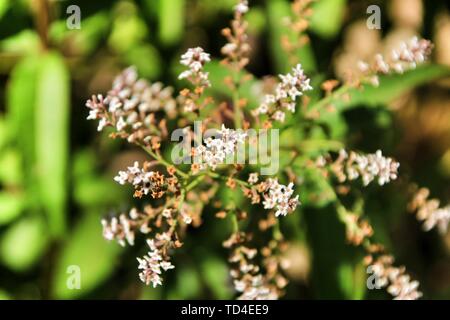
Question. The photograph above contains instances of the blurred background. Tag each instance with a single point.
(56, 170)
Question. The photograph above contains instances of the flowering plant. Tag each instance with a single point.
(177, 190)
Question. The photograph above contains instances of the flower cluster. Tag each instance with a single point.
(292, 86)
(216, 150)
(145, 181)
(357, 229)
(247, 277)
(428, 211)
(236, 49)
(407, 56)
(370, 167)
(131, 107)
(275, 195)
(298, 24)
(120, 229)
(156, 260)
(195, 59)
(398, 283)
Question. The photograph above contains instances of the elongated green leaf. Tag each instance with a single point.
(87, 250)
(327, 17)
(21, 97)
(23, 243)
(390, 87)
(171, 20)
(52, 135)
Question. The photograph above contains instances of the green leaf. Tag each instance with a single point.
(352, 279)
(4, 5)
(21, 101)
(87, 191)
(86, 249)
(146, 58)
(11, 173)
(391, 86)
(24, 42)
(11, 206)
(4, 132)
(52, 138)
(83, 41)
(128, 28)
(215, 273)
(23, 243)
(327, 17)
(171, 14)
(187, 283)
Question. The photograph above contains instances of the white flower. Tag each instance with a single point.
(195, 59)
(291, 86)
(217, 149)
(253, 178)
(121, 124)
(242, 7)
(279, 196)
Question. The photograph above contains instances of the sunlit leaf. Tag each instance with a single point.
(51, 138)
(10, 167)
(21, 101)
(86, 249)
(23, 243)
(171, 14)
(11, 206)
(327, 17)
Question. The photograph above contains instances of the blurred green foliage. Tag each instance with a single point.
(56, 172)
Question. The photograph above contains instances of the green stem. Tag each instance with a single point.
(162, 161)
(235, 223)
(218, 176)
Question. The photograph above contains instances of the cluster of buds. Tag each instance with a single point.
(370, 167)
(398, 283)
(357, 229)
(195, 59)
(236, 49)
(123, 229)
(134, 107)
(248, 279)
(287, 91)
(406, 57)
(216, 150)
(297, 24)
(274, 195)
(428, 211)
(146, 181)
(166, 219)
(156, 260)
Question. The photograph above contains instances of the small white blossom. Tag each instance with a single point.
(216, 150)
(195, 59)
(253, 178)
(279, 196)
